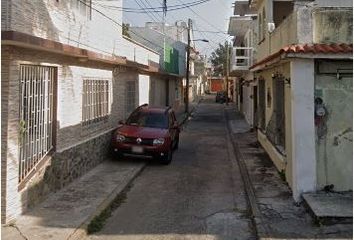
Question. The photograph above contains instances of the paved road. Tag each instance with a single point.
(199, 196)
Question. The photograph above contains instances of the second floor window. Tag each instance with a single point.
(83, 6)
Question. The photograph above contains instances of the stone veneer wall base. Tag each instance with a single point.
(64, 167)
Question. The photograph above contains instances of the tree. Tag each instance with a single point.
(218, 59)
(125, 30)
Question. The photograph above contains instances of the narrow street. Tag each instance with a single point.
(199, 196)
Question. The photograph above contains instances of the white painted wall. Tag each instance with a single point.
(61, 22)
(144, 89)
(137, 53)
(70, 92)
(303, 127)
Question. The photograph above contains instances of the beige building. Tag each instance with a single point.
(243, 27)
(303, 70)
(68, 76)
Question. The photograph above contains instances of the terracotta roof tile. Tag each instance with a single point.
(309, 48)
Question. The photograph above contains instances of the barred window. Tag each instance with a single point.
(95, 100)
(37, 116)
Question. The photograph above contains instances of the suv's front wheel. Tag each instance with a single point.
(167, 158)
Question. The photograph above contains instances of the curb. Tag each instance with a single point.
(262, 229)
(81, 231)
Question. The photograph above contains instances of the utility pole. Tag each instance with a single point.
(227, 73)
(187, 70)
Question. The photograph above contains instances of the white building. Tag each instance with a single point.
(68, 76)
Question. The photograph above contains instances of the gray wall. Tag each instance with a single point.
(334, 140)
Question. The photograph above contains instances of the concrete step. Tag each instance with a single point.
(330, 207)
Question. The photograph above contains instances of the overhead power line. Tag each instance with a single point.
(149, 4)
(150, 14)
(120, 25)
(205, 20)
(152, 9)
(211, 32)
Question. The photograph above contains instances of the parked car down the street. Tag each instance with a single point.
(220, 97)
(149, 131)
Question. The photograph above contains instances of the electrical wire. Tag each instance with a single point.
(211, 32)
(120, 25)
(155, 10)
(148, 3)
(205, 20)
(150, 14)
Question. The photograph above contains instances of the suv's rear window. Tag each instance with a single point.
(148, 119)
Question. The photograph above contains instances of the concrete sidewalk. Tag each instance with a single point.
(276, 215)
(67, 213)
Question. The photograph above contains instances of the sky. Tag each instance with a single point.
(211, 16)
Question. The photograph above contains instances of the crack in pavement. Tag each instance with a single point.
(226, 210)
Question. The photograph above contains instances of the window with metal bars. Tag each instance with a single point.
(95, 100)
(37, 111)
(275, 129)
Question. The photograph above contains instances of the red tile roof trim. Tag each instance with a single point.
(308, 48)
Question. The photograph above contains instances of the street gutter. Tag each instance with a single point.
(81, 231)
(262, 228)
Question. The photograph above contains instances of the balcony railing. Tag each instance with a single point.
(241, 58)
(283, 35)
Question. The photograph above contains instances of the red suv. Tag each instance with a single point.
(149, 131)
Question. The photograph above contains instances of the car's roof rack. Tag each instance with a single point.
(143, 105)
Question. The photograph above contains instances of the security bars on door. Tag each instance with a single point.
(36, 115)
(95, 100)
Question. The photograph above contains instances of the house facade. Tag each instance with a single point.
(243, 27)
(164, 91)
(303, 71)
(68, 76)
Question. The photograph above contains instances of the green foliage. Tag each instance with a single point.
(98, 222)
(218, 58)
(125, 30)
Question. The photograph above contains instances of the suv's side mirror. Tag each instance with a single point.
(121, 122)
